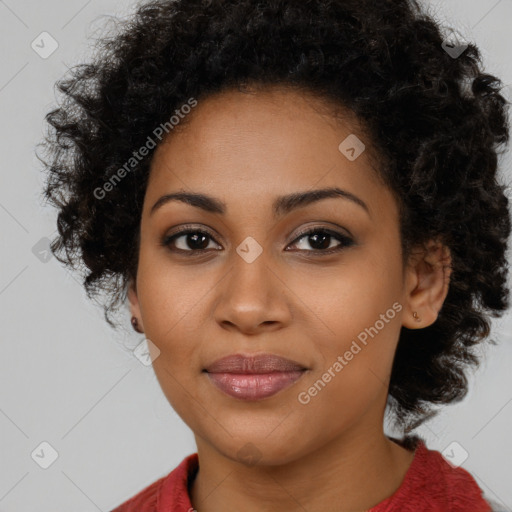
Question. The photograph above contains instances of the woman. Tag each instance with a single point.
(299, 201)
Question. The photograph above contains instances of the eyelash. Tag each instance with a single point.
(345, 241)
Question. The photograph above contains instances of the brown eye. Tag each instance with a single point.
(188, 240)
(321, 240)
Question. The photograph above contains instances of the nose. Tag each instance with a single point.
(252, 298)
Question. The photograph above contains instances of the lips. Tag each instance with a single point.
(261, 363)
(254, 377)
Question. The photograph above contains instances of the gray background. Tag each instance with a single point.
(66, 378)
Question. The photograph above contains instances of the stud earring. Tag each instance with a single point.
(416, 317)
(135, 324)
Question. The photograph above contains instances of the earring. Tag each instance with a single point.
(416, 317)
(135, 324)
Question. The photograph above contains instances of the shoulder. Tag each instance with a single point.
(168, 491)
(432, 480)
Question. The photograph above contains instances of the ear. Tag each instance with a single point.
(427, 282)
(134, 302)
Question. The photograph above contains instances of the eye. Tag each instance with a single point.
(192, 240)
(321, 240)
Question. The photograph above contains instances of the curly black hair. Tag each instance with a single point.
(436, 119)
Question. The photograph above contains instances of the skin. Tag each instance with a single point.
(246, 150)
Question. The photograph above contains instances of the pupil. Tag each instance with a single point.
(321, 245)
(195, 244)
(199, 241)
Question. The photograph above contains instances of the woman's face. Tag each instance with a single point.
(332, 302)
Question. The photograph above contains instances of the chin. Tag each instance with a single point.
(260, 449)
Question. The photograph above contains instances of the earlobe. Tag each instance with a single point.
(428, 278)
(136, 319)
(415, 316)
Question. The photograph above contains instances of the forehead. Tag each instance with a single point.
(266, 142)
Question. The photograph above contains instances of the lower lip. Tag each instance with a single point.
(254, 386)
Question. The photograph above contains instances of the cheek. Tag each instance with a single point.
(358, 321)
(359, 299)
(168, 308)
(352, 380)
(170, 297)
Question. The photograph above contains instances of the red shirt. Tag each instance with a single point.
(431, 484)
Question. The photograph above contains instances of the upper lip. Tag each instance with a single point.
(260, 363)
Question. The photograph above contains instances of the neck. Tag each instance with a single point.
(356, 471)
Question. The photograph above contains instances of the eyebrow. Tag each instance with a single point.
(281, 206)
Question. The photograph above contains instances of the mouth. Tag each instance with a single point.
(254, 377)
